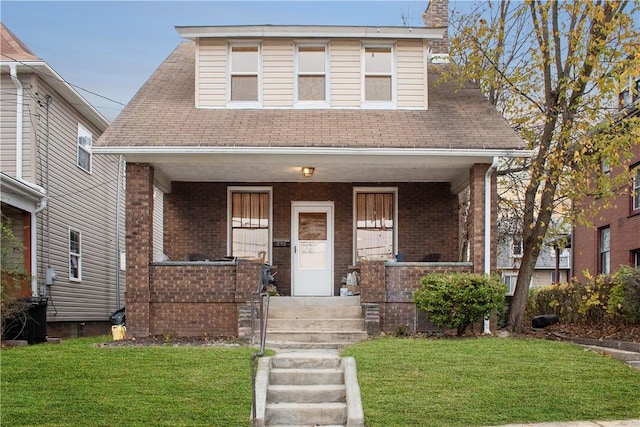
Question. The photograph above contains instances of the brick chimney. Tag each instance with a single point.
(436, 15)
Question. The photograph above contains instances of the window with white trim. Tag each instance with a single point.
(312, 76)
(635, 258)
(244, 73)
(85, 142)
(604, 237)
(378, 74)
(250, 221)
(375, 223)
(75, 255)
(516, 246)
(510, 280)
(635, 191)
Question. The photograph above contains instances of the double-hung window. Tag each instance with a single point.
(250, 221)
(375, 223)
(516, 246)
(635, 191)
(378, 84)
(605, 250)
(75, 256)
(85, 141)
(312, 74)
(244, 74)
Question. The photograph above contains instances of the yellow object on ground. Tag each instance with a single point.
(118, 332)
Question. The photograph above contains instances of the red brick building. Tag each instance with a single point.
(331, 149)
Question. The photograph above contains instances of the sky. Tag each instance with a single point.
(112, 47)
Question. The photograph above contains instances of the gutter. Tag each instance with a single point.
(19, 114)
(487, 228)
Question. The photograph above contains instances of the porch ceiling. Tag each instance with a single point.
(273, 165)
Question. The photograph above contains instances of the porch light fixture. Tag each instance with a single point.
(307, 171)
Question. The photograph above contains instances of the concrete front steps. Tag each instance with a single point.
(316, 388)
(314, 322)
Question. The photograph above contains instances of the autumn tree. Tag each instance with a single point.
(554, 70)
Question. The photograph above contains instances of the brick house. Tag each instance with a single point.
(333, 149)
(614, 240)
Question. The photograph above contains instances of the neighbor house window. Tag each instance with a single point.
(312, 76)
(516, 247)
(510, 280)
(375, 224)
(635, 258)
(244, 73)
(378, 74)
(605, 167)
(635, 191)
(75, 256)
(85, 141)
(250, 222)
(605, 250)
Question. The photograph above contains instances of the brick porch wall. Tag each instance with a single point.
(391, 286)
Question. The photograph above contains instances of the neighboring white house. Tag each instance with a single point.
(61, 198)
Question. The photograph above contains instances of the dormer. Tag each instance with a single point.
(312, 67)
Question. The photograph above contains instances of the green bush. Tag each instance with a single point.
(613, 298)
(459, 299)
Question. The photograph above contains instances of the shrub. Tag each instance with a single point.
(459, 299)
(611, 298)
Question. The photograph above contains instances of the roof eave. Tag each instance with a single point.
(373, 151)
(61, 86)
(311, 31)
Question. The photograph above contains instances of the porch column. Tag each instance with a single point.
(139, 245)
(477, 215)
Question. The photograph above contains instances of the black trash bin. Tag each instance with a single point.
(30, 326)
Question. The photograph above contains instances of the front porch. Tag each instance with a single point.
(171, 222)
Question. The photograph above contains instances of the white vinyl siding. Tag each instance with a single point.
(87, 203)
(158, 224)
(277, 71)
(211, 73)
(344, 63)
(412, 79)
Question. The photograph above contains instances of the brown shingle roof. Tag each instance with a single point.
(12, 47)
(163, 113)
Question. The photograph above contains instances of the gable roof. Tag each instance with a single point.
(13, 48)
(163, 114)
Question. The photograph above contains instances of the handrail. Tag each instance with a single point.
(263, 314)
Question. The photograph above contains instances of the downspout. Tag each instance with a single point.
(19, 101)
(118, 233)
(34, 248)
(487, 228)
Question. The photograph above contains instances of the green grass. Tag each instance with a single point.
(76, 384)
(489, 381)
(404, 382)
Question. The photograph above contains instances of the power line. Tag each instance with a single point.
(63, 80)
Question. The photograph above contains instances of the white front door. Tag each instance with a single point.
(312, 248)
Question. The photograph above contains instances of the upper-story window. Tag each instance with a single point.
(85, 141)
(312, 74)
(244, 73)
(635, 188)
(378, 85)
(516, 247)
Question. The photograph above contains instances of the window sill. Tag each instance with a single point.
(382, 105)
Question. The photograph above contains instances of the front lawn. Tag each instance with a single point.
(404, 382)
(490, 381)
(77, 384)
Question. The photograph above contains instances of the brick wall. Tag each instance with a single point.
(139, 244)
(624, 233)
(391, 286)
(196, 221)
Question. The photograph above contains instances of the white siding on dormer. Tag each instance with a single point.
(344, 68)
(277, 73)
(211, 73)
(411, 74)
(344, 73)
